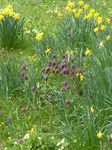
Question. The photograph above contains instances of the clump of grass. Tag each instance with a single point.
(11, 28)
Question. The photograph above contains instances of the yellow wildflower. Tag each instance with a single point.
(108, 38)
(32, 131)
(77, 74)
(48, 50)
(90, 15)
(92, 11)
(68, 52)
(11, 13)
(1, 17)
(96, 30)
(92, 109)
(86, 7)
(77, 15)
(34, 56)
(71, 4)
(99, 135)
(81, 77)
(96, 15)
(108, 20)
(86, 17)
(68, 9)
(81, 3)
(29, 117)
(39, 36)
(80, 11)
(87, 52)
(99, 20)
(16, 16)
(60, 15)
(9, 7)
(74, 10)
(103, 27)
(6, 11)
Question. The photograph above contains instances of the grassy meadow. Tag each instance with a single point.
(55, 75)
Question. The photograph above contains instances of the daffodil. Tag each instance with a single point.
(92, 11)
(1, 17)
(60, 15)
(103, 27)
(48, 50)
(39, 36)
(96, 15)
(32, 131)
(96, 30)
(71, 4)
(86, 7)
(68, 52)
(81, 3)
(92, 109)
(81, 77)
(100, 135)
(108, 20)
(16, 16)
(99, 20)
(11, 14)
(108, 38)
(87, 52)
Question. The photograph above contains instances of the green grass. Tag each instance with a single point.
(50, 123)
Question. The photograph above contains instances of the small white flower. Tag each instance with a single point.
(39, 138)
(58, 144)
(26, 136)
(15, 143)
(52, 137)
(101, 45)
(5, 148)
(62, 141)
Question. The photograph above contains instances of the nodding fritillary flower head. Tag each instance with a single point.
(67, 87)
(9, 119)
(38, 103)
(53, 63)
(79, 70)
(23, 67)
(100, 135)
(54, 55)
(73, 66)
(68, 34)
(23, 110)
(33, 89)
(22, 74)
(64, 83)
(45, 78)
(25, 78)
(56, 71)
(67, 102)
(20, 141)
(49, 97)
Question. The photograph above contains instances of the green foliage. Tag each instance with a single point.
(11, 28)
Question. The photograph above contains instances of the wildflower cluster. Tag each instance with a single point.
(62, 69)
(11, 27)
